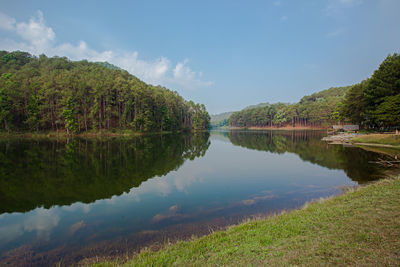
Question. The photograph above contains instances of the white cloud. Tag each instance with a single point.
(38, 38)
(42, 221)
(6, 22)
(187, 78)
(36, 32)
(284, 18)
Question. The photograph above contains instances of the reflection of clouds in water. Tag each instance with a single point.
(180, 180)
(172, 212)
(10, 232)
(44, 220)
(76, 227)
(40, 220)
(157, 185)
(261, 197)
(85, 208)
(185, 178)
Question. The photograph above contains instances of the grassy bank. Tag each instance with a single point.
(383, 139)
(359, 228)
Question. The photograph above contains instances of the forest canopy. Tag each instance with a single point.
(372, 103)
(375, 102)
(312, 110)
(42, 93)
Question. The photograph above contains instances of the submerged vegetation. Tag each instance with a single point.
(358, 228)
(56, 94)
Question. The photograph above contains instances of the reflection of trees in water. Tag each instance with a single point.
(57, 172)
(308, 145)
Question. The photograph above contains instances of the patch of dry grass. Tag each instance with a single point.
(385, 139)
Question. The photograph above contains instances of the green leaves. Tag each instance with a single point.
(58, 94)
(375, 101)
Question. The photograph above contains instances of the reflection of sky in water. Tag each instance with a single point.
(227, 180)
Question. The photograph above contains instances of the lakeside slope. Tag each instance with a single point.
(358, 228)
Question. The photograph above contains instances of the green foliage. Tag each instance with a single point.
(372, 103)
(69, 114)
(375, 101)
(58, 172)
(388, 112)
(57, 94)
(313, 110)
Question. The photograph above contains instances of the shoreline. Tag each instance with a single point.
(373, 140)
(359, 227)
(99, 134)
(286, 128)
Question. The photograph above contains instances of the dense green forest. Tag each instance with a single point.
(313, 110)
(42, 94)
(375, 102)
(36, 173)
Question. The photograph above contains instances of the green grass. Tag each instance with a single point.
(359, 228)
(384, 139)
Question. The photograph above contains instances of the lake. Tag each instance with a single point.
(63, 201)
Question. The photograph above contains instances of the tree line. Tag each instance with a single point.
(42, 93)
(372, 103)
(313, 110)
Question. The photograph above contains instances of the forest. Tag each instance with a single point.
(373, 103)
(314, 110)
(57, 94)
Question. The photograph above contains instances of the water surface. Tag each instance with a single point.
(62, 201)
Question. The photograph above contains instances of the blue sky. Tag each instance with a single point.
(225, 54)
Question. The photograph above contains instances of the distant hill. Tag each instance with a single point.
(312, 110)
(261, 105)
(220, 120)
(221, 116)
(57, 94)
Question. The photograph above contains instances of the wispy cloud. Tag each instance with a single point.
(335, 6)
(37, 38)
(6, 22)
(277, 3)
(335, 33)
(350, 2)
(284, 18)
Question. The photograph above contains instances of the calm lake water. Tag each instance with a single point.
(62, 201)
